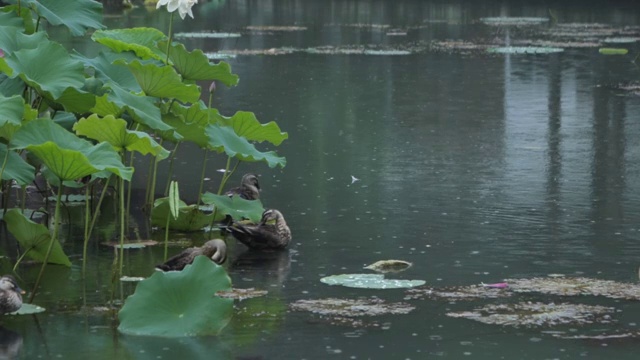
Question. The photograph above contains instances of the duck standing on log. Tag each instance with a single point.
(215, 249)
(271, 233)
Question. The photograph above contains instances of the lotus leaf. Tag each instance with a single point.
(66, 155)
(16, 168)
(196, 66)
(106, 72)
(115, 132)
(235, 206)
(78, 15)
(179, 303)
(142, 41)
(537, 314)
(386, 266)
(245, 124)
(190, 218)
(28, 309)
(613, 51)
(161, 81)
(351, 307)
(224, 138)
(576, 286)
(369, 281)
(34, 238)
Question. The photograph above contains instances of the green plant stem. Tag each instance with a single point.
(172, 157)
(131, 156)
(4, 163)
(54, 237)
(121, 256)
(147, 195)
(204, 169)
(170, 37)
(87, 215)
(23, 203)
(166, 237)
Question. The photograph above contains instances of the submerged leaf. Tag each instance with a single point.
(179, 303)
(369, 281)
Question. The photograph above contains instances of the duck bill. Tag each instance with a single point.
(21, 291)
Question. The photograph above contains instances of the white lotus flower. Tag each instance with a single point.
(183, 6)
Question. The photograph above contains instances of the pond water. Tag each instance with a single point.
(473, 167)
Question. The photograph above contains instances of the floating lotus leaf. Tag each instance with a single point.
(576, 286)
(473, 292)
(78, 16)
(34, 238)
(351, 307)
(210, 35)
(537, 314)
(179, 303)
(235, 206)
(613, 51)
(241, 294)
(621, 40)
(513, 21)
(276, 28)
(524, 50)
(386, 266)
(369, 281)
(387, 52)
(28, 309)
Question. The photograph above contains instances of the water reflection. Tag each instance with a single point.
(10, 344)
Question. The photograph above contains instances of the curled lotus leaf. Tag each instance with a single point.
(537, 314)
(351, 307)
(473, 292)
(576, 286)
(241, 294)
(369, 281)
(386, 266)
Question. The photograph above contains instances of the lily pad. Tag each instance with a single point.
(524, 50)
(179, 303)
(206, 35)
(537, 314)
(386, 266)
(473, 292)
(613, 51)
(351, 307)
(369, 281)
(576, 286)
(28, 309)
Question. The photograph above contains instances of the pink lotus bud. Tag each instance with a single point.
(212, 87)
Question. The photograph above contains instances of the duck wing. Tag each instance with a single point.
(179, 261)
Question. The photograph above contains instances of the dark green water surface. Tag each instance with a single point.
(474, 168)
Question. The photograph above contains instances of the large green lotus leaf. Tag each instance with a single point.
(162, 81)
(109, 73)
(190, 218)
(142, 41)
(74, 101)
(47, 68)
(11, 111)
(196, 66)
(179, 303)
(223, 138)
(34, 238)
(190, 131)
(13, 39)
(78, 15)
(8, 18)
(369, 281)
(235, 206)
(114, 131)
(246, 125)
(16, 168)
(9, 86)
(141, 108)
(65, 154)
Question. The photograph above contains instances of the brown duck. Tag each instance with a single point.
(271, 232)
(10, 295)
(215, 249)
(249, 188)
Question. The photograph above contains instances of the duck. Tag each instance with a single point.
(215, 249)
(271, 233)
(249, 188)
(10, 295)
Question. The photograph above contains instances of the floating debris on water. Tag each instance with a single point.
(219, 56)
(276, 28)
(538, 314)
(621, 40)
(209, 35)
(524, 50)
(351, 307)
(241, 294)
(132, 245)
(576, 286)
(132, 278)
(387, 266)
(513, 21)
(473, 292)
(501, 285)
